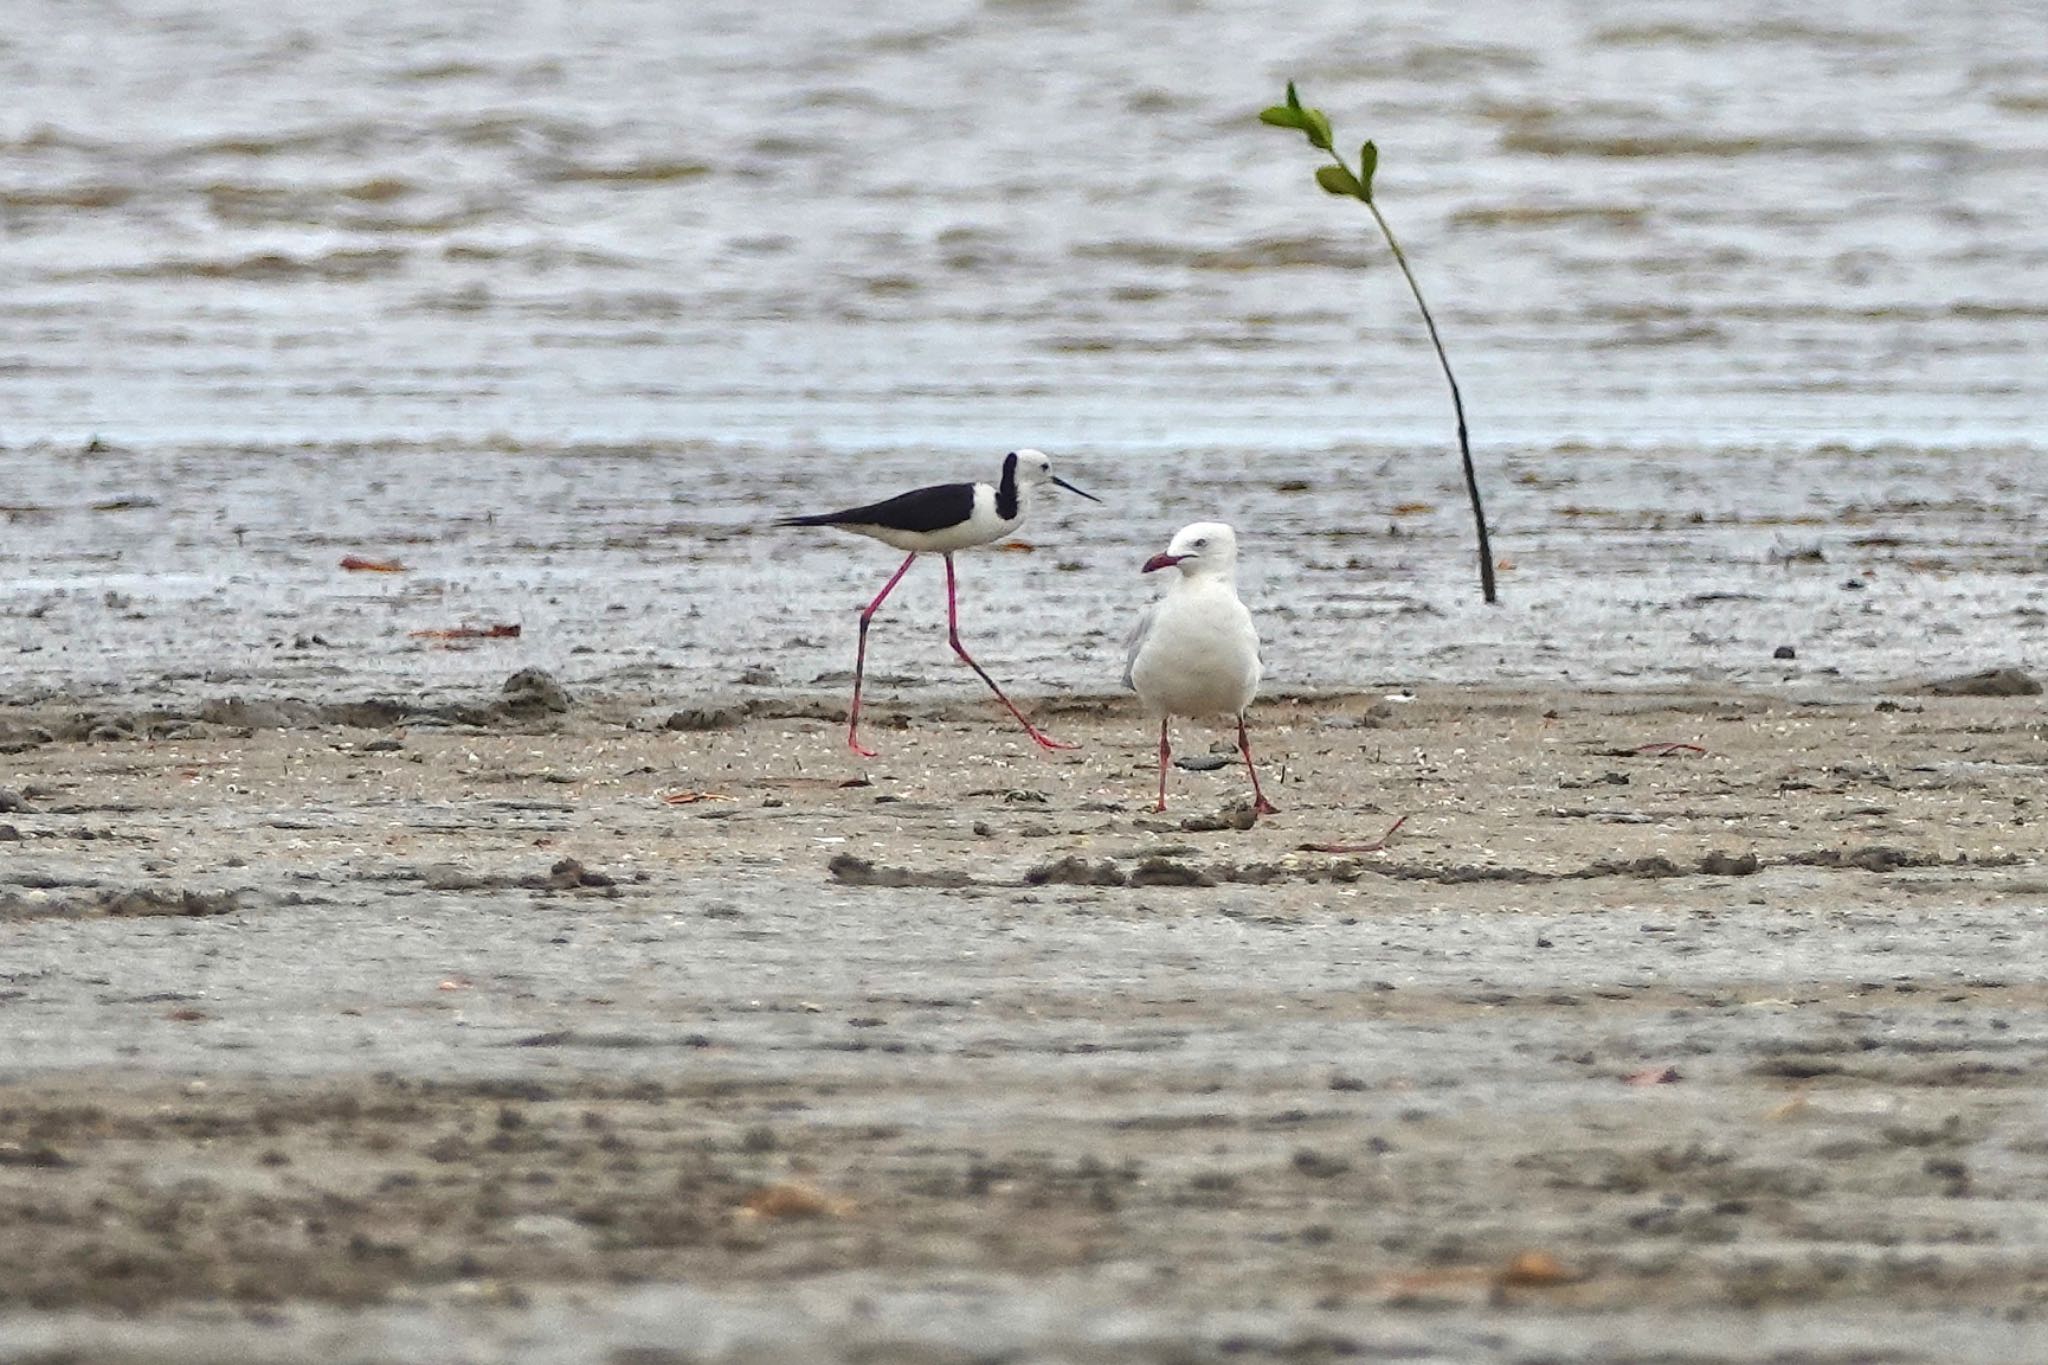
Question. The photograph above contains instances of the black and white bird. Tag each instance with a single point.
(942, 519)
(1195, 651)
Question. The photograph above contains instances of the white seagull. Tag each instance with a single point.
(939, 520)
(1195, 652)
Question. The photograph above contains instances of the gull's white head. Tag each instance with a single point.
(1030, 468)
(1207, 547)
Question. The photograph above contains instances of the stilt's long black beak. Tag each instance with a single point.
(1071, 489)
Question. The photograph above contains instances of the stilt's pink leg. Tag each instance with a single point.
(1244, 746)
(953, 634)
(860, 657)
(1165, 754)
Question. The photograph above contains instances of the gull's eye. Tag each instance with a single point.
(1202, 544)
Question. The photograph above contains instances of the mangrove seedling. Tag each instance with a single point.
(1340, 179)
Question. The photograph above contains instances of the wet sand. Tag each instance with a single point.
(1699, 1025)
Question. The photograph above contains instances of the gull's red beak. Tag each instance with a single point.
(1161, 562)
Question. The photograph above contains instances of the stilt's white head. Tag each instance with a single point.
(1031, 468)
(1205, 548)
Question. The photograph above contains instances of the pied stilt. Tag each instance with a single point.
(940, 520)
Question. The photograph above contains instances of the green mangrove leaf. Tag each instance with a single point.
(1339, 180)
(1280, 116)
(1317, 125)
(1293, 100)
(1368, 162)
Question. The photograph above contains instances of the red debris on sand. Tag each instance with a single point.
(363, 564)
(1531, 1269)
(468, 633)
(1653, 1075)
(1376, 846)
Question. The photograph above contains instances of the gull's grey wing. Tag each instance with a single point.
(1139, 634)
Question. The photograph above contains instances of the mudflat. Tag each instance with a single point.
(1693, 1025)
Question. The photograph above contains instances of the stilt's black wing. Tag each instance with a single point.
(921, 509)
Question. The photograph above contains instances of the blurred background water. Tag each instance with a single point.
(554, 301)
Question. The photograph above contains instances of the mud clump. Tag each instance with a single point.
(1076, 871)
(532, 692)
(1652, 867)
(149, 901)
(1241, 816)
(452, 877)
(114, 903)
(292, 713)
(378, 713)
(851, 871)
(1885, 858)
(1158, 871)
(1870, 858)
(237, 713)
(569, 875)
(731, 715)
(694, 719)
(566, 874)
(1992, 682)
(20, 739)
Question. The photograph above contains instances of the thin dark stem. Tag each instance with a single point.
(1486, 587)
(1457, 402)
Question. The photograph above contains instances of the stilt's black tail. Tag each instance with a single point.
(821, 519)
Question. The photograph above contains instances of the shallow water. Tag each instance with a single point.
(553, 304)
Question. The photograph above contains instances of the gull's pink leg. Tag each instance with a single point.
(860, 658)
(1165, 753)
(1244, 746)
(953, 634)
